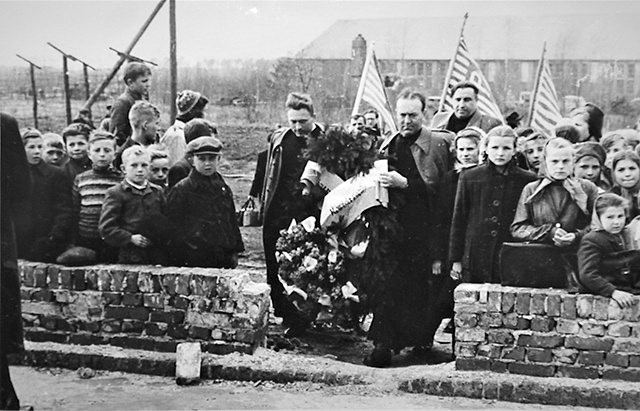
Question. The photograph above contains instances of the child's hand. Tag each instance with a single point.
(456, 270)
(623, 298)
(563, 239)
(436, 267)
(140, 240)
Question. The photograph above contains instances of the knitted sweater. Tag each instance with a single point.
(89, 189)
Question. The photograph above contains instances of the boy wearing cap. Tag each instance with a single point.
(42, 232)
(137, 78)
(190, 105)
(130, 207)
(89, 190)
(76, 139)
(202, 210)
(198, 127)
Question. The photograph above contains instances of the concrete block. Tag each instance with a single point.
(568, 306)
(589, 343)
(565, 326)
(565, 355)
(619, 329)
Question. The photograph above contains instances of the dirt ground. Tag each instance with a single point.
(58, 389)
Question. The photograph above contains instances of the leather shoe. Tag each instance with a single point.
(380, 357)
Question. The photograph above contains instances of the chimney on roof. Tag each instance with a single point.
(358, 55)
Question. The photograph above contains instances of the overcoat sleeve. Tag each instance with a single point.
(109, 225)
(590, 255)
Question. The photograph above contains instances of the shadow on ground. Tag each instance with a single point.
(351, 347)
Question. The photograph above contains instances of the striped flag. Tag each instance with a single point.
(371, 90)
(463, 67)
(544, 113)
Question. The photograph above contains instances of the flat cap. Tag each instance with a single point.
(204, 145)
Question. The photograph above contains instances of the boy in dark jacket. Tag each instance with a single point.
(131, 206)
(485, 204)
(202, 210)
(137, 78)
(45, 222)
(76, 139)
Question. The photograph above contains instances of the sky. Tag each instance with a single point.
(220, 29)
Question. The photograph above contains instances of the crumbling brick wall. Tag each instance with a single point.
(546, 333)
(144, 307)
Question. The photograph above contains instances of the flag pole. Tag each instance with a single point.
(450, 70)
(537, 84)
(365, 69)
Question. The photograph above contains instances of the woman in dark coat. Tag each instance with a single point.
(15, 190)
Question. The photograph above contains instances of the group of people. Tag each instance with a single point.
(125, 194)
(460, 189)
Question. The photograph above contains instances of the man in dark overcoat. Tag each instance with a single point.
(418, 158)
(15, 189)
(282, 199)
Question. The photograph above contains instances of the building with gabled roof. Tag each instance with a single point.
(593, 56)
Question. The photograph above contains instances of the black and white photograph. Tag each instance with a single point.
(319, 204)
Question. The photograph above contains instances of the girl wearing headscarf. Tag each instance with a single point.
(602, 271)
(625, 175)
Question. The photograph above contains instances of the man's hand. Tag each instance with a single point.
(140, 240)
(623, 298)
(436, 267)
(393, 179)
(456, 270)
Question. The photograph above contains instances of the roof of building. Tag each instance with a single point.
(572, 37)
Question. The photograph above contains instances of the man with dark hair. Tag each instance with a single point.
(282, 198)
(137, 78)
(372, 120)
(465, 113)
(418, 159)
(190, 105)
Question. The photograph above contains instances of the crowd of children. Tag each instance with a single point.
(112, 200)
(580, 196)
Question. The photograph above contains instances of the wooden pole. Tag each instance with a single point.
(86, 77)
(34, 91)
(173, 58)
(92, 99)
(67, 95)
(87, 91)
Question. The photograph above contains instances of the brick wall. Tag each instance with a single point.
(546, 333)
(144, 307)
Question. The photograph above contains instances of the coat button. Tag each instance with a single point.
(496, 203)
(494, 233)
(494, 219)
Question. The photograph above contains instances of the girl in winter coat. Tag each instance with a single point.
(626, 179)
(556, 209)
(616, 278)
(484, 208)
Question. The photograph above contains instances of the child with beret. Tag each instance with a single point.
(202, 210)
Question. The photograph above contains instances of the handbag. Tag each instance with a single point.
(248, 215)
(538, 265)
